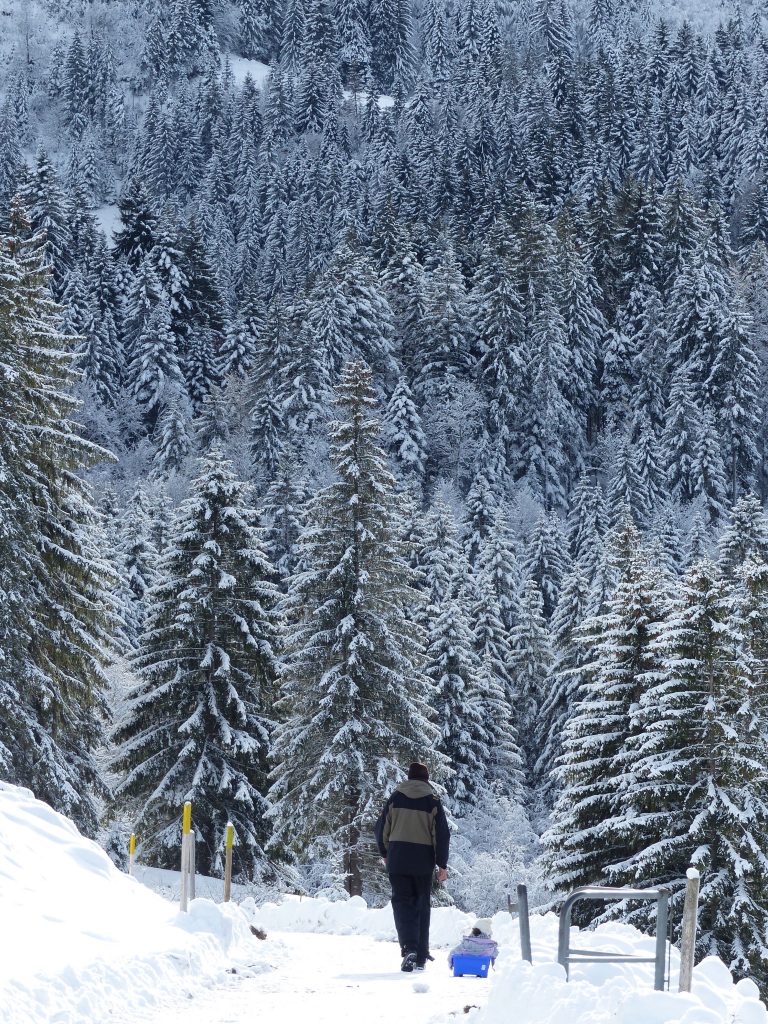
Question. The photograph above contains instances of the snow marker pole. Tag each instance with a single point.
(131, 852)
(192, 867)
(688, 933)
(228, 862)
(186, 828)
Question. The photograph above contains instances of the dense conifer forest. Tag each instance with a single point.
(384, 379)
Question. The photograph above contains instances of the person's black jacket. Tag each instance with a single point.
(412, 830)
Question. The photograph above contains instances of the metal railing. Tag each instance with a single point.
(567, 956)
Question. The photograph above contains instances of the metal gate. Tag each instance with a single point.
(567, 956)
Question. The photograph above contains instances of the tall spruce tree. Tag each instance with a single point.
(353, 697)
(454, 668)
(530, 664)
(493, 645)
(696, 792)
(58, 616)
(138, 562)
(199, 721)
(587, 836)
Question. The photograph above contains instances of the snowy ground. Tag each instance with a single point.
(330, 978)
(84, 944)
(242, 67)
(108, 219)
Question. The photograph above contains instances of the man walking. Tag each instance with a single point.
(412, 836)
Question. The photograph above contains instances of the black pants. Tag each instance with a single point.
(411, 906)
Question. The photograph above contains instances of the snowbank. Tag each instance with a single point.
(82, 941)
(350, 917)
(599, 993)
(539, 994)
(543, 996)
(168, 885)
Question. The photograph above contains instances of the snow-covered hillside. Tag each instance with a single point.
(90, 944)
(83, 942)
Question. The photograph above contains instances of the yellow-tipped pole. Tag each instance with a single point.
(230, 838)
(186, 838)
(131, 852)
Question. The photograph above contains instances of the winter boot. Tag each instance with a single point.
(408, 961)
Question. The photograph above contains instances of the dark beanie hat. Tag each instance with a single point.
(418, 771)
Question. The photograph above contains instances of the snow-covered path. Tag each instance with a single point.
(320, 979)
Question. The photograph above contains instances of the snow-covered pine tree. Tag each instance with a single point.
(138, 561)
(154, 372)
(546, 559)
(479, 511)
(745, 536)
(710, 485)
(748, 606)
(587, 517)
(586, 836)
(237, 354)
(495, 687)
(626, 489)
(734, 387)
(500, 341)
(497, 561)
(455, 671)
(353, 697)
(58, 613)
(403, 434)
(701, 541)
(174, 444)
(199, 721)
(438, 557)
(446, 319)
(679, 437)
(257, 29)
(569, 657)
(266, 433)
(137, 236)
(284, 507)
(44, 202)
(696, 792)
(551, 423)
(530, 665)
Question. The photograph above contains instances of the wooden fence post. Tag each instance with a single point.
(688, 934)
(524, 923)
(186, 829)
(228, 862)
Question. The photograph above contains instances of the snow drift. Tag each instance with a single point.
(83, 941)
(350, 917)
(603, 993)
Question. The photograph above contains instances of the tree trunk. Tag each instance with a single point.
(353, 881)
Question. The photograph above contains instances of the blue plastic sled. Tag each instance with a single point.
(478, 965)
